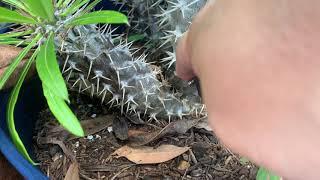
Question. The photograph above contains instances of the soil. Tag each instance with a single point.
(7, 172)
(56, 150)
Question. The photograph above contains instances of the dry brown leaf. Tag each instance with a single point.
(150, 155)
(90, 126)
(177, 127)
(73, 172)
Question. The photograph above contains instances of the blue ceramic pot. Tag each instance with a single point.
(30, 103)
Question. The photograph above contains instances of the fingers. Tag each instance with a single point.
(183, 64)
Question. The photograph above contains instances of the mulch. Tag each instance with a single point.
(56, 150)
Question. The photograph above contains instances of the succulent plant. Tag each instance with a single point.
(94, 64)
(163, 23)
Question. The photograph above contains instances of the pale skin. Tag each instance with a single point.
(259, 67)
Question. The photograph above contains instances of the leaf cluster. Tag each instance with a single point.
(39, 21)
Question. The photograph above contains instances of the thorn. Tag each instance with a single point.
(92, 90)
(118, 76)
(80, 86)
(76, 82)
(103, 97)
(84, 49)
(65, 64)
(69, 75)
(122, 100)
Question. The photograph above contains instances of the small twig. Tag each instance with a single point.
(85, 177)
(121, 171)
(193, 157)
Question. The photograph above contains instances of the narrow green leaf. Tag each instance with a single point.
(48, 69)
(90, 7)
(16, 61)
(8, 16)
(13, 41)
(75, 6)
(59, 3)
(66, 3)
(15, 34)
(62, 112)
(109, 17)
(10, 110)
(264, 174)
(16, 3)
(41, 8)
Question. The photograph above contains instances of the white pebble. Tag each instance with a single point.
(110, 129)
(90, 137)
(77, 144)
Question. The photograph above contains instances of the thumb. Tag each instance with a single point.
(183, 64)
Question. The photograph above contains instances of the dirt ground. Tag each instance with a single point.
(7, 172)
(93, 157)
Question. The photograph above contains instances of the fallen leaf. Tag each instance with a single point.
(90, 126)
(177, 127)
(150, 155)
(73, 172)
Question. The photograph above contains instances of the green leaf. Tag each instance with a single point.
(136, 37)
(10, 110)
(75, 6)
(109, 17)
(66, 3)
(15, 34)
(62, 112)
(48, 69)
(41, 8)
(90, 7)
(59, 3)
(13, 41)
(16, 61)
(16, 3)
(8, 16)
(264, 174)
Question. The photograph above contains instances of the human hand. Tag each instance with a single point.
(259, 70)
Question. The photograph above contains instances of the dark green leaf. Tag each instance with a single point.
(109, 17)
(8, 16)
(10, 110)
(264, 174)
(48, 69)
(16, 61)
(136, 37)
(62, 112)
(75, 6)
(41, 8)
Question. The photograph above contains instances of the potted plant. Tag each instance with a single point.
(68, 50)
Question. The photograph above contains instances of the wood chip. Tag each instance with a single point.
(73, 172)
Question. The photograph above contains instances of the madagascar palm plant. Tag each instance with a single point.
(39, 22)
